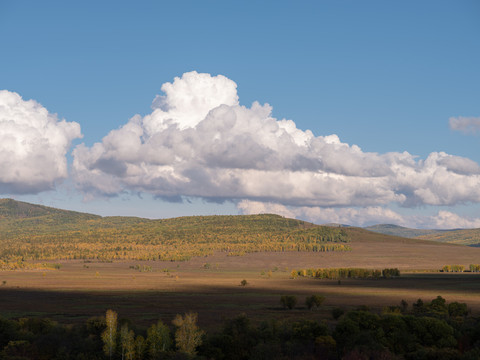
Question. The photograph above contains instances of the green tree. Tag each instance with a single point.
(188, 335)
(140, 347)
(438, 306)
(109, 336)
(127, 341)
(457, 309)
(158, 339)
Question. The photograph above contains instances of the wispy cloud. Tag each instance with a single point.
(467, 125)
(33, 145)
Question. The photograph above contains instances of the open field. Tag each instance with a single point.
(211, 285)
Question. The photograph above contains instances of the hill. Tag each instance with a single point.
(469, 237)
(395, 230)
(34, 232)
(14, 210)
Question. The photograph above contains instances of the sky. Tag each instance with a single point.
(352, 112)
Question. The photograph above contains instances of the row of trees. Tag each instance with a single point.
(22, 265)
(344, 273)
(461, 268)
(159, 342)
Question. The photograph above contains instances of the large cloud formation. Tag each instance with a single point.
(33, 145)
(199, 142)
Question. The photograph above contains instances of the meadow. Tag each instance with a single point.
(211, 285)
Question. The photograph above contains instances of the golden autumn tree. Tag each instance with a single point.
(109, 336)
(187, 335)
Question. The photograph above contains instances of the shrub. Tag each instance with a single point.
(288, 301)
(314, 300)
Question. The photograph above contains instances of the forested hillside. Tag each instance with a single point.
(34, 232)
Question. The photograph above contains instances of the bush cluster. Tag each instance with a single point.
(344, 273)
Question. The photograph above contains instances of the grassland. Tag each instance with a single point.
(207, 280)
(210, 285)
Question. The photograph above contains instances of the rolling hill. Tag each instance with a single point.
(395, 230)
(469, 237)
(34, 232)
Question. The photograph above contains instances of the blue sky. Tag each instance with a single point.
(386, 76)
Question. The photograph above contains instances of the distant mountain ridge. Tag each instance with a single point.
(395, 230)
(470, 237)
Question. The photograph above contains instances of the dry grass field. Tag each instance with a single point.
(211, 285)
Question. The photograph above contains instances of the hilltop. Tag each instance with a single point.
(13, 210)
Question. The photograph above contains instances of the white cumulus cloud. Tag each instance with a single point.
(33, 145)
(448, 220)
(322, 215)
(200, 142)
(370, 215)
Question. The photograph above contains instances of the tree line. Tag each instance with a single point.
(346, 273)
(424, 330)
(461, 268)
